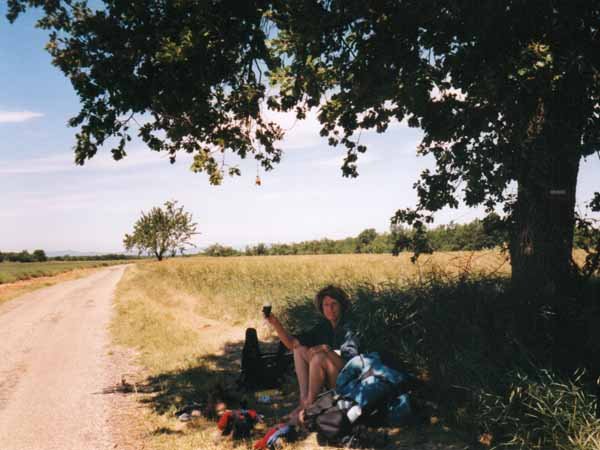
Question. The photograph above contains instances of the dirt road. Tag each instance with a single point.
(55, 363)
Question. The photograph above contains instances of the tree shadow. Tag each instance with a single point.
(460, 337)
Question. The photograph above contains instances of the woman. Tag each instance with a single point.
(320, 354)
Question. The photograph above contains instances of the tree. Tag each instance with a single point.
(364, 240)
(220, 250)
(39, 255)
(162, 230)
(505, 93)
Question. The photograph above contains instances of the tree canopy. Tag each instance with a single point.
(162, 231)
(506, 93)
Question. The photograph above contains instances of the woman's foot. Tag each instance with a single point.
(292, 417)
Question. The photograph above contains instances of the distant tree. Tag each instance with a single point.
(220, 250)
(364, 240)
(496, 230)
(23, 256)
(39, 255)
(261, 249)
(162, 230)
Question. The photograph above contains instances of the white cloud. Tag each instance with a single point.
(18, 116)
(64, 162)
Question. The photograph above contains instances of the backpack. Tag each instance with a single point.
(366, 393)
(328, 417)
(239, 423)
(262, 370)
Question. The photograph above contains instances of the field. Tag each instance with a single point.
(188, 324)
(13, 271)
(447, 319)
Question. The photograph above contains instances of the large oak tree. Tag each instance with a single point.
(506, 92)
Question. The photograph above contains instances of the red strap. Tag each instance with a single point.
(224, 420)
(262, 444)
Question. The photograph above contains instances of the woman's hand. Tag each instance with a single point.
(288, 341)
(272, 320)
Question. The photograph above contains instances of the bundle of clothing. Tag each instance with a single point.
(367, 392)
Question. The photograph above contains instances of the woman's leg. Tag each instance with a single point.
(301, 365)
(323, 368)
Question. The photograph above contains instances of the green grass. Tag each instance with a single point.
(13, 271)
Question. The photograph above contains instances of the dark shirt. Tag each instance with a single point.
(341, 338)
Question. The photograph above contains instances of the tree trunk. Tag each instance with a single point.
(542, 241)
(541, 244)
(544, 214)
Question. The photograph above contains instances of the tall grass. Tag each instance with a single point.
(234, 288)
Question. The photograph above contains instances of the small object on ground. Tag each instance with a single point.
(189, 409)
(185, 417)
(486, 439)
(264, 399)
(238, 422)
(271, 439)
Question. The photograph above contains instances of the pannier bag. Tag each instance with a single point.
(262, 370)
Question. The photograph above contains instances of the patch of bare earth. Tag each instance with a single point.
(126, 419)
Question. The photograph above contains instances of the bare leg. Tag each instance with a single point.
(323, 368)
(301, 365)
(335, 364)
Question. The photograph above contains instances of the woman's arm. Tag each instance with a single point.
(289, 341)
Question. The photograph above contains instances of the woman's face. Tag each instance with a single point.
(332, 310)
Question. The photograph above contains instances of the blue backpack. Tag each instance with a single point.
(367, 391)
(372, 387)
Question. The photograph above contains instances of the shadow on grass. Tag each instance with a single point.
(471, 341)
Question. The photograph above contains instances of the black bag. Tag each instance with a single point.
(262, 370)
(327, 418)
(242, 426)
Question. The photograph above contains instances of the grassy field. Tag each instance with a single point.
(186, 318)
(13, 271)
(449, 319)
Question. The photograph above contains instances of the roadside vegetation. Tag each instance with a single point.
(11, 272)
(502, 372)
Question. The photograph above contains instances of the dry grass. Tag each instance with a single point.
(186, 319)
(233, 289)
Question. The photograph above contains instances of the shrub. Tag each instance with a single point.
(540, 410)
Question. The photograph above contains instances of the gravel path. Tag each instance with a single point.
(55, 363)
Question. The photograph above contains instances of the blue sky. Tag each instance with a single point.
(48, 202)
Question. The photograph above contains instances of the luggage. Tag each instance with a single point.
(367, 392)
(239, 423)
(262, 370)
(328, 417)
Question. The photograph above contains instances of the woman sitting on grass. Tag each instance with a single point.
(320, 354)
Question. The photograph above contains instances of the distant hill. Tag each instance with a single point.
(52, 254)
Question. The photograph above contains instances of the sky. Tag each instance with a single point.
(48, 202)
